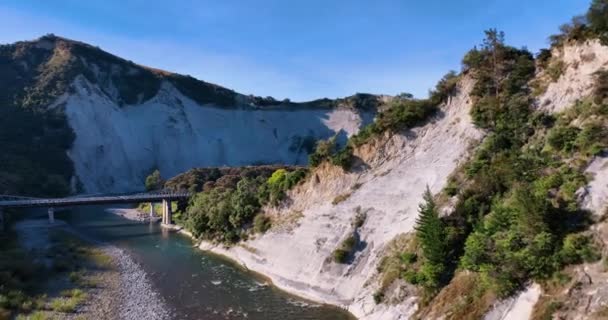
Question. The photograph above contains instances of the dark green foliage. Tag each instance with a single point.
(592, 25)
(378, 297)
(340, 256)
(431, 234)
(205, 179)
(600, 91)
(324, 150)
(562, 137)
(598, 19)
(578, 248)
(229, 205)
(405, 114)
(502, 75)
(345, 250)
(445, 88)
(261, 223)
(33, 160)
(343, 158)
(515, 219)
(203, 92)
(154, 181)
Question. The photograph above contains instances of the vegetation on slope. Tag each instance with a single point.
(73, 269)
(517, 216)
(403, 112)
(592, 25)
(228, 200)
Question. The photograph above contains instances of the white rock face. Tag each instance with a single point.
(116, 147)
(297, 255)
(518, 307)
(596, 198)
(582, 61)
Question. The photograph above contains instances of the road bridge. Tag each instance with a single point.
(165, 197)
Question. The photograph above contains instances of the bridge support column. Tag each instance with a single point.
(151, 210)
(167, 214)
(51, 215)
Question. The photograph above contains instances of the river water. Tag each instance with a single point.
(195, 285)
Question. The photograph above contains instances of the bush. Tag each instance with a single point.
(378, 297)
(346, 248)
(562, 138)
(261, 223)
(343, 158)
(226, 211)
(340, 256)
(578, 248)
(154, 181)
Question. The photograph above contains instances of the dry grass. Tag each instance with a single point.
(464, 298)
(391, 266)
(341, 198)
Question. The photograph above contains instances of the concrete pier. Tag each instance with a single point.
(151, 210)
(51, 215)
(167, 214)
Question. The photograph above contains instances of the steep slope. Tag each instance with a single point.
(584, 293)
(129, 119)
(574, 66)
(393, 172)
(115, 148)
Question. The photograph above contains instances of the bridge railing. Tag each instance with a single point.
(83, 200)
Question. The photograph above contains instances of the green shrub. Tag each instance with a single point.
(344, 251)
(340, 256)
(225, 213)
(378, 297)
(562, 137)
(578, 248)
(154, 181)
(409, 257)
(261, 223)
(343, 158)
(556, 69)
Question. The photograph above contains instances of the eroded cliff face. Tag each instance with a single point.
(577, 64)
(586, 293)
(116, 146)
(387, 184)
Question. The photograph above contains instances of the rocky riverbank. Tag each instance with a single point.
(133, 214)
(110, 283)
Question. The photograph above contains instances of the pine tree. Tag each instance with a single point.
(430, 231)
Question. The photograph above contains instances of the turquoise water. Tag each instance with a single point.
(194, 284)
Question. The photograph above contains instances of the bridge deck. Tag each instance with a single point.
(81, 201)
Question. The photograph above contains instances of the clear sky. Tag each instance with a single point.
(293, 48)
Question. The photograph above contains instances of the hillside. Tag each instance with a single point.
(511, 225)
(119, 120)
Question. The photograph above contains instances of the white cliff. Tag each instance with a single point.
(117, 146)
(388, 186)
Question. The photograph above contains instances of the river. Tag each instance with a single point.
(195, 285)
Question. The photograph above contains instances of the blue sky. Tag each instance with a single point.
(293, 48)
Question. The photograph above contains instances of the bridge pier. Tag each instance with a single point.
(151, 210)
(51, 215)
(167, 214)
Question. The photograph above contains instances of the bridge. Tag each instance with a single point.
(164, 196)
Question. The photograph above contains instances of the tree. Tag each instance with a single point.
(495, 44)
(430, 230)
(154, 181)
(597, 17)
